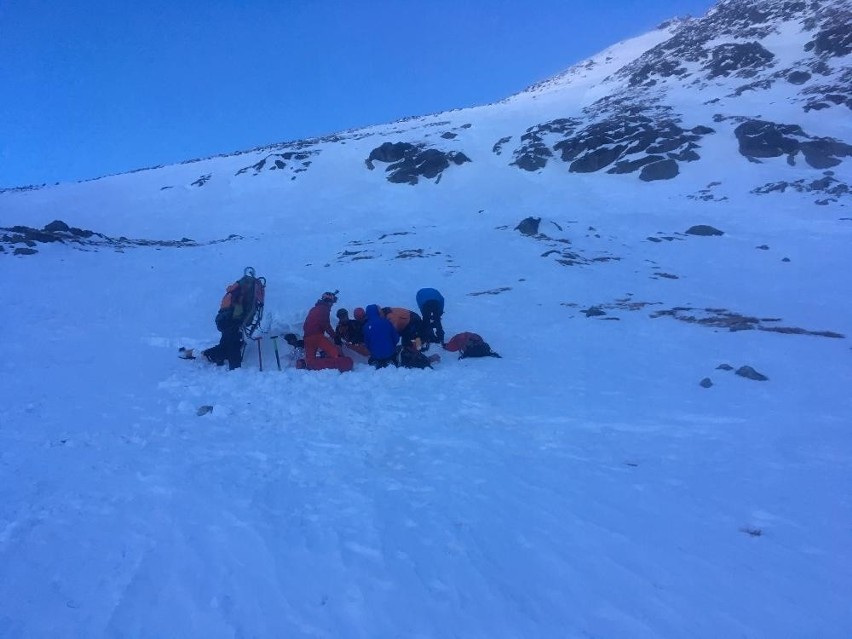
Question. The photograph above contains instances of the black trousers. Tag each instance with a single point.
(229, 348)
(381, 363)
(416, 328)
(433, 330)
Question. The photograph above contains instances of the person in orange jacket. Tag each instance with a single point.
(407, 323)
(318, 330)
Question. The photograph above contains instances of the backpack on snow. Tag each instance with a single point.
(412, 358)
(476, 347)
(242, 305)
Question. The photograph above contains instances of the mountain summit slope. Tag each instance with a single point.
(753, 97)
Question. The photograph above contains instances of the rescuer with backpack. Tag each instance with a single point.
(239, 316)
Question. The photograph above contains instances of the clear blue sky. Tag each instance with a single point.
(93, 87)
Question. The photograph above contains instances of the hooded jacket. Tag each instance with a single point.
(379, 334)
(318, 320)
(429, 295)
(399, 317)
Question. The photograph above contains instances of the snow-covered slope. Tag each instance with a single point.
(608, 477)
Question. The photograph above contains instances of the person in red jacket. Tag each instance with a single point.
(318, 330)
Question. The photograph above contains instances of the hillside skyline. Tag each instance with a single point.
(140, 87)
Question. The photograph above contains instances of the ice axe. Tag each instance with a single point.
(275, 344)
(259, 354)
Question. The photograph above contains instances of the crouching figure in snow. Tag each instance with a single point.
(319, 336)
(431, 305)
(380, 337)
(350, 332)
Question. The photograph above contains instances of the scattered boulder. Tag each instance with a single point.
(410, 162)
(835, 41)
(704, 229)
(529, 226)
(290, 162)
(724, 367)
(741, 59)
(706, 382)
(497, 149)
(594, 311)
(60, 233)
(391, 152)
(203, 410)
(763, 139)
(627, 140)
(828, 187)
(749, 373)
(662, 170)
(798, 77)
(56, 225)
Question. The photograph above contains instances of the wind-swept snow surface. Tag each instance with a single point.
(618, 473)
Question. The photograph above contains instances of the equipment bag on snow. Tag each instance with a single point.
(242, 305)
(413, 358)
(470, 345)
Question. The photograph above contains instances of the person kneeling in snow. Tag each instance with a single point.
(380, 337)
(317, 333)
(350, 332)
(408, 324)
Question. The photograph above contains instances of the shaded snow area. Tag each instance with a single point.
(662, 452)
(584, 485)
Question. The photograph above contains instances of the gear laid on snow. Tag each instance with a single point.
(469, 345)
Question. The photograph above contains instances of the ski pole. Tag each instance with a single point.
(259, 354)
(277, 358)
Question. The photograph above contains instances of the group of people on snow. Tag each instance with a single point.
(384, 335)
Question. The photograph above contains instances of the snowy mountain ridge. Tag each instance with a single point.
(649, 106)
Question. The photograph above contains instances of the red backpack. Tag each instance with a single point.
(470, 345)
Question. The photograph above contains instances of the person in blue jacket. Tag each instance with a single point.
(380, 338)
(431, 304)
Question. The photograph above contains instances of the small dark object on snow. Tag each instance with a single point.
(703, 229)
(706, 382)
(593, 311)
(529, 226)
(186, 353)
(751, 531)
(724, 367)
(294, 341)
(413, 358)
(203, 410)
(749, 373)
